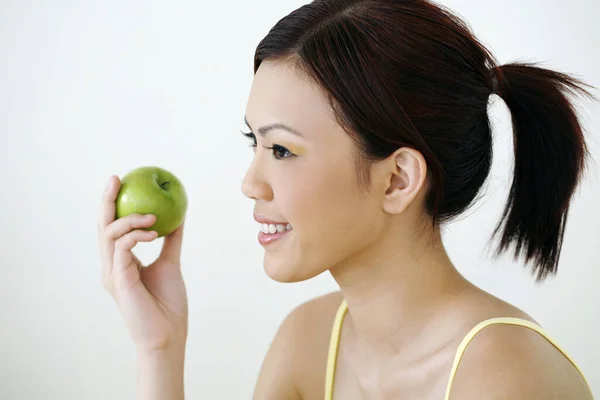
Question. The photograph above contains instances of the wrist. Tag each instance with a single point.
(161, 374)
(170, 355)
(164, 351)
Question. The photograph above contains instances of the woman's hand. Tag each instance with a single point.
(152, 299)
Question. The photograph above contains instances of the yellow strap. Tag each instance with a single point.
(334, 344)
(502, 320)
(337, 330)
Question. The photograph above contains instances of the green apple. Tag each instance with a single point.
(153, 190)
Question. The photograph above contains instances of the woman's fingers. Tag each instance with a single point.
(105, 218)
(118, 237)
(126, 268)
(125, 243)
(126, 224)
(171, 250)
(107, 211)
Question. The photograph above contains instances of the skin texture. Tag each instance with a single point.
(391, 266)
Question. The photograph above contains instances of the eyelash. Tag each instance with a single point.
(275, 148)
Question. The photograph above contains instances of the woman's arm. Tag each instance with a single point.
(161, 375)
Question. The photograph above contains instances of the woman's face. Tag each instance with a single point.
(307, 179)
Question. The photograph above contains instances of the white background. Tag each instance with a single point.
(88, 89)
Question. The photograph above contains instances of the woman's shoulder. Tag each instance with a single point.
(295, 364)
(503, 351)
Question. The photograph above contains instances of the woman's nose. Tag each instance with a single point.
(254, 186)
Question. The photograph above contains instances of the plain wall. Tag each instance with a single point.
(88, 89)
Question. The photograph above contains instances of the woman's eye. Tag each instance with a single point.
(280, 152)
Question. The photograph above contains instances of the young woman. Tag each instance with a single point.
(369, 124)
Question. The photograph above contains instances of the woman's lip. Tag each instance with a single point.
(268, 238)
(262, 220)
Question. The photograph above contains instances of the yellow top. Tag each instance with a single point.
(337, 329)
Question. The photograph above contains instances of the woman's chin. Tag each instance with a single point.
(285, 270)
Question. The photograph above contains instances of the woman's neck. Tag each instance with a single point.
(394, 290)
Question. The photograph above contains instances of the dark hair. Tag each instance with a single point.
(410, 73)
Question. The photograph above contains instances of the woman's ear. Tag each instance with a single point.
(405, 178)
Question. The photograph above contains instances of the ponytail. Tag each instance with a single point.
(550, 154)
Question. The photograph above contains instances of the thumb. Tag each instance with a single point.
(171, 250)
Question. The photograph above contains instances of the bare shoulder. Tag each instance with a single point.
(294, 367)
(506, 361)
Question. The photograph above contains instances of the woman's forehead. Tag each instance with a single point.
(282, 94)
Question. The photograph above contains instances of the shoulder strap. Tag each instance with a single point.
(334, 344)
(501, 320)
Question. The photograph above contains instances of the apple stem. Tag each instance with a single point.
(164, 185)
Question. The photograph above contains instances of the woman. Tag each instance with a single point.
(369, 123)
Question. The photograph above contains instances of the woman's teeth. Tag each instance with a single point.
(270, 228)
